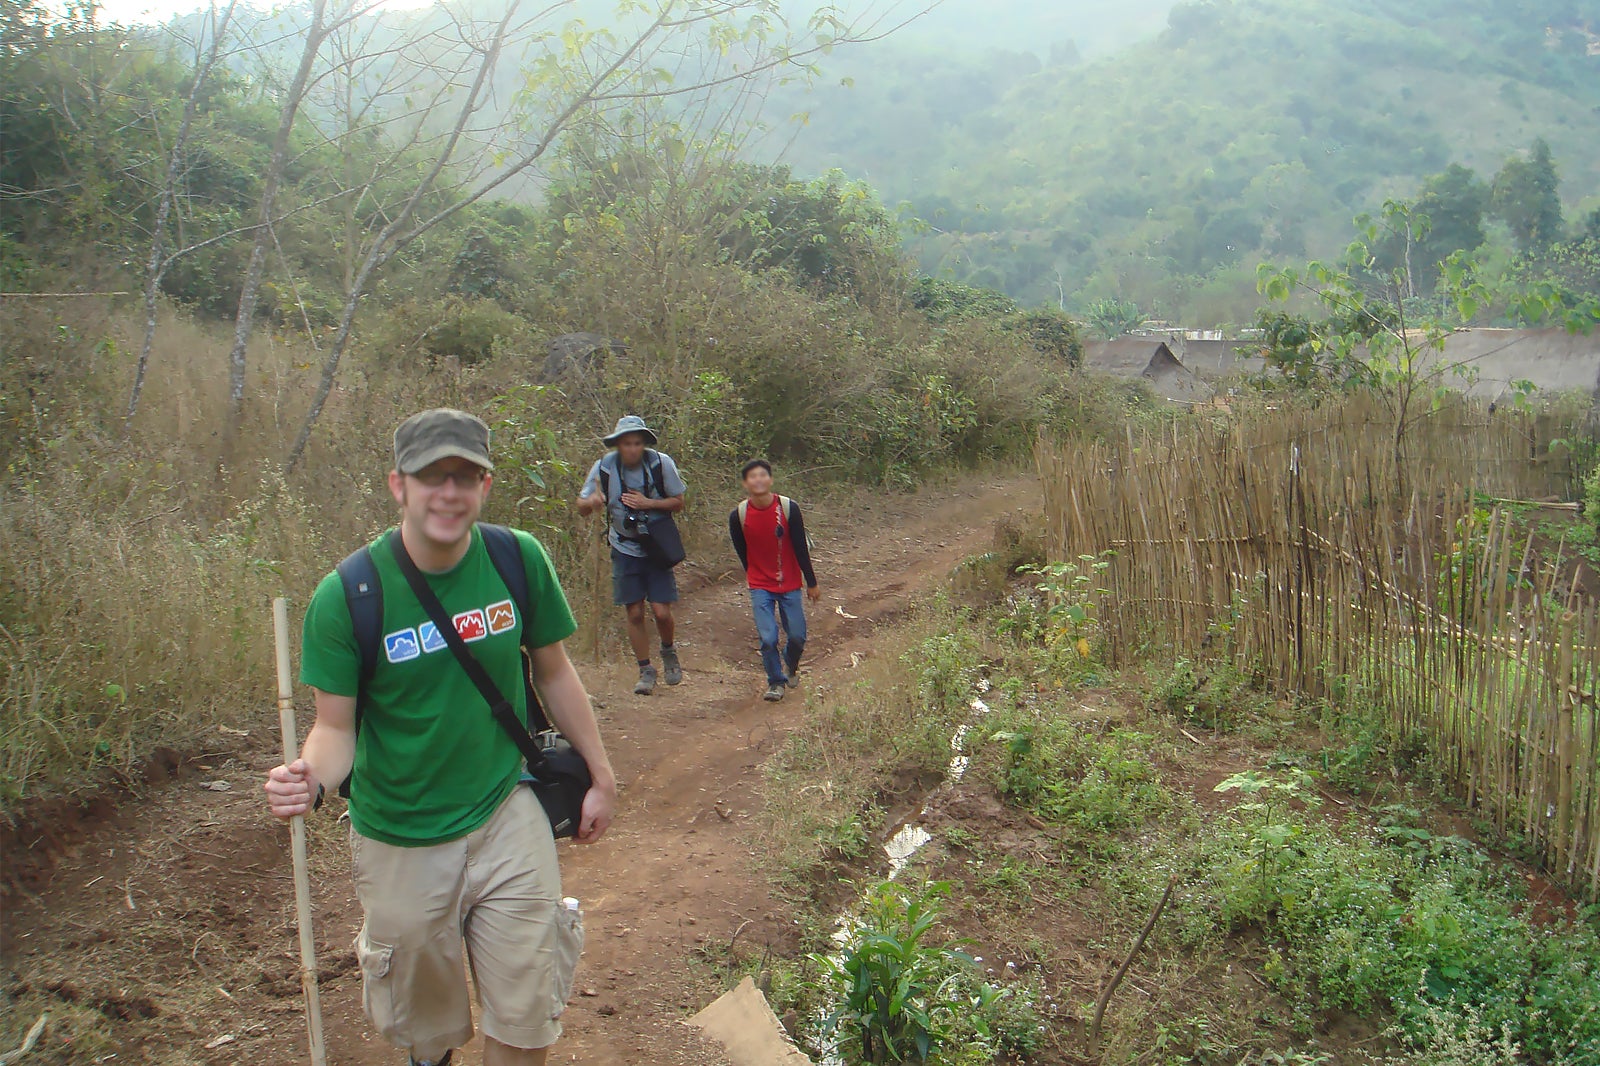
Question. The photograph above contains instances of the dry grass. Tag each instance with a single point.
(135, 571)
(135, 575)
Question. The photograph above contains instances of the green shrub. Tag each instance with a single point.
(467, 329)
(1422, 927)
(902, 998)
(1064, 773)
(1215, 695)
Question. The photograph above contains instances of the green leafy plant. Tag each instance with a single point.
(904, 998)
(1065, 774)
(529, 456)
(1267, 803)
(1111, 318)
(1065, 612)
(1382, 330)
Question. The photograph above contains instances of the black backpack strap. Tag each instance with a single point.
(652, 468)
(363, 596)
(505, 552)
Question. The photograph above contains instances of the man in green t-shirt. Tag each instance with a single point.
(450, 856)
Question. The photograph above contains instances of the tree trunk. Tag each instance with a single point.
(156, 264)
(250, 288)
(395, 235)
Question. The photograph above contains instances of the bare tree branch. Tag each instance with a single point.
(156, 264)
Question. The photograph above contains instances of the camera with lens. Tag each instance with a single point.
(635, 525)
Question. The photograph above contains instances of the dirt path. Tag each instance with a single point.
(145, 941)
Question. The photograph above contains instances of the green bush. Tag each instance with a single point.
(1064, 773)
(467, 329)
(1215, 695)
(903, 998)
(1420, 926)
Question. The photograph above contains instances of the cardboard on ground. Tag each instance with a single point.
(742, 1022)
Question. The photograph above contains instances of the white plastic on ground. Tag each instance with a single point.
(911, 837)
(903, 846)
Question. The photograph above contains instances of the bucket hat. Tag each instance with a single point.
(631, 424)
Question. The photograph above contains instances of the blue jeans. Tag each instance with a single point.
(770, 608)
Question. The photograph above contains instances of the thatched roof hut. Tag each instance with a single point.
(1150, 359)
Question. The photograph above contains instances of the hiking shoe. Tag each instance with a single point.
(436, 1062)
(671, 668)
(647, 681)
(774, 693)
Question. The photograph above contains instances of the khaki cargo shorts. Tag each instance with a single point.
(491, 900)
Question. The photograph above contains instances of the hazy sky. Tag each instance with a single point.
(129, 12)
(1096, 25)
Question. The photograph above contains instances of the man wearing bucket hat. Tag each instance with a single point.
(450, 857)
(640, 489)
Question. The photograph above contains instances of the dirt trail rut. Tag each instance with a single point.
(173, 916)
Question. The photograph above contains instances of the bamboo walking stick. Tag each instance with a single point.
(297, 840)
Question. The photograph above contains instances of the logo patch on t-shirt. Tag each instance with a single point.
(471, 625)
(431, 640)
(401, 645)
(502, 616)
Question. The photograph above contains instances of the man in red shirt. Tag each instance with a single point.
(769, 534)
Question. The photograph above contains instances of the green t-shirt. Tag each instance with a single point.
(431, 762)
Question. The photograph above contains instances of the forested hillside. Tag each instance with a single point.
(1162, 172)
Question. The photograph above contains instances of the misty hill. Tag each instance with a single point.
(1242, 129)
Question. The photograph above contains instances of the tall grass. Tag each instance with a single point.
(136, 568)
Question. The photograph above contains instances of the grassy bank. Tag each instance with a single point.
(1327, 904)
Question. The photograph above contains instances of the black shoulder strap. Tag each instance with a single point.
(504, 713)
(505, 552)
(605, 479)
(363, 596)
(652, 468)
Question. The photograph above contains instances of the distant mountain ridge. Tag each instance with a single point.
(1243, 129)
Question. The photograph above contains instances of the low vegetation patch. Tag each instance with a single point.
(1307, 925)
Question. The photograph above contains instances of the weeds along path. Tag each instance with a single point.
(168, 925)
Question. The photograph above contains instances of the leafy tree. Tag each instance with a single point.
(943, 300)
(1297, 347)
(1591, 225)
(1454, 202)
(1194, 18)
(1376, 335)
(1051, 332)
(578, 75)
(1572, 267)
(1526, 197)
(1110, 318)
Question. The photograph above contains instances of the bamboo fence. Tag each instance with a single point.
(1296, 543)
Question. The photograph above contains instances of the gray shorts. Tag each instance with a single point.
(634, 579)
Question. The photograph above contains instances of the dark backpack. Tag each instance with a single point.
(363, 595)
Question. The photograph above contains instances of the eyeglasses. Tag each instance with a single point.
(467, 477)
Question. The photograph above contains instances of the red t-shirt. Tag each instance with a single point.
(773, 566)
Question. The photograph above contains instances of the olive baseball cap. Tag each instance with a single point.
(442, 433)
